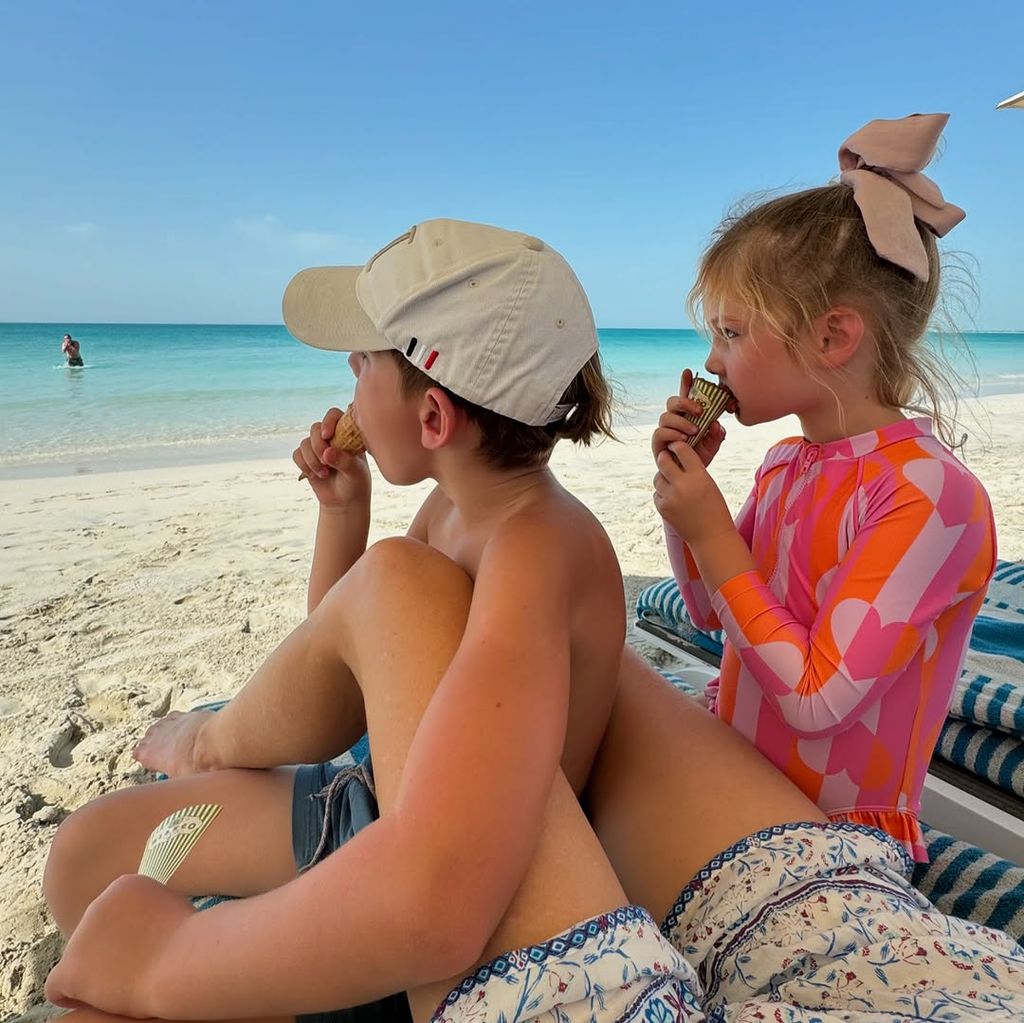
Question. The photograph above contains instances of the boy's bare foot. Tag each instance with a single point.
(169, 745)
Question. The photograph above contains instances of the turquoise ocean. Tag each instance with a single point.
(173, 394)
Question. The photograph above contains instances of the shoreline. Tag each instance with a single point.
(172, 455)
(278, 445)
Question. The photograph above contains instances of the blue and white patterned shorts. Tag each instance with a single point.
(615, 967)
(818, 922)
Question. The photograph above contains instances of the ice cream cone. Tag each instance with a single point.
(713, 400)
(346, 436)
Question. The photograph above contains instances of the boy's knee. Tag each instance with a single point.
(404, 554)
(402, 563)
(398, 580)
(74, 854)
(68, 842)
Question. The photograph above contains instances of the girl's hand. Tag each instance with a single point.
(673, 426)
(688, 498)
(338, 478)
(113, 957)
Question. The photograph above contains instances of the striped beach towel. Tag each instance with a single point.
(662, 604)
(1006, 590)
(992, 700)
(967, 882)
(994, 756)
(991, 689)
(984, 732)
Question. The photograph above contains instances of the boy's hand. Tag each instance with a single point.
(673, 426)
(688, 498)
(112, 959)
(338, 478)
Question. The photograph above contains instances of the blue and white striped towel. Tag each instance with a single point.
(994, 756)
(987, 694)
(662, 604)
(1006, 590)
(990, 691)
(968, 882)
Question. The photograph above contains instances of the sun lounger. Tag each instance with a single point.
(975, 786)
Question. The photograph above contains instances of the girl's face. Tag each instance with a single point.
(386, 417)
(768, 381)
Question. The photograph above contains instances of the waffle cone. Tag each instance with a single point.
(713, 400)
(347, 436)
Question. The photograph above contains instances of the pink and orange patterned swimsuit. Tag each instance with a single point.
(842, 650)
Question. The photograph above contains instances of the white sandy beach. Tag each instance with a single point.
(125, 594)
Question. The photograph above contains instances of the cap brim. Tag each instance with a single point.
(320, 308)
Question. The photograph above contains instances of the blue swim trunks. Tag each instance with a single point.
(330, 803)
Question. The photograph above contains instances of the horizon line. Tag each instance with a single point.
(62, 324)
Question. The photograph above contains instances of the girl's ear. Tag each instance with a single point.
(439, 419)
(838, 335)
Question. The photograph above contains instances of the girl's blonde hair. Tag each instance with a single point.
(791, 258)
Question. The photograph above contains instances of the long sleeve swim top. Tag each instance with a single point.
(843, 647)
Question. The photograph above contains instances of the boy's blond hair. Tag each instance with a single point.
(508, 444)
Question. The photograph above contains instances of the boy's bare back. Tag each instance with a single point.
(538, 545)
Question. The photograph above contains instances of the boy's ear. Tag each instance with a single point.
(439, 419)
(840, 332)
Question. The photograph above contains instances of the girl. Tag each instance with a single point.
(849, 582)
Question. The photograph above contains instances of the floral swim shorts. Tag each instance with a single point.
(615, 967)
(806, 922)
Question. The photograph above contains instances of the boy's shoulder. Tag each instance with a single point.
(551, 518)
(555, 562)
(549, 529)
(555, 531)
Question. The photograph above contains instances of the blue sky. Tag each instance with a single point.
(177, 162)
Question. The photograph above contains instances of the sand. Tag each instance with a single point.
(125, 594)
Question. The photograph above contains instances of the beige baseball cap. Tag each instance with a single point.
(496, 316)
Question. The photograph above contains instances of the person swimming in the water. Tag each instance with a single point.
(72, 351)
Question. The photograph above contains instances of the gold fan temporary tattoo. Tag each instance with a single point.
(173, 838)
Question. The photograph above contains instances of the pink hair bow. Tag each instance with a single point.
(882, 164)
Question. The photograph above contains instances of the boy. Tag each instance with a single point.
(474, 351)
